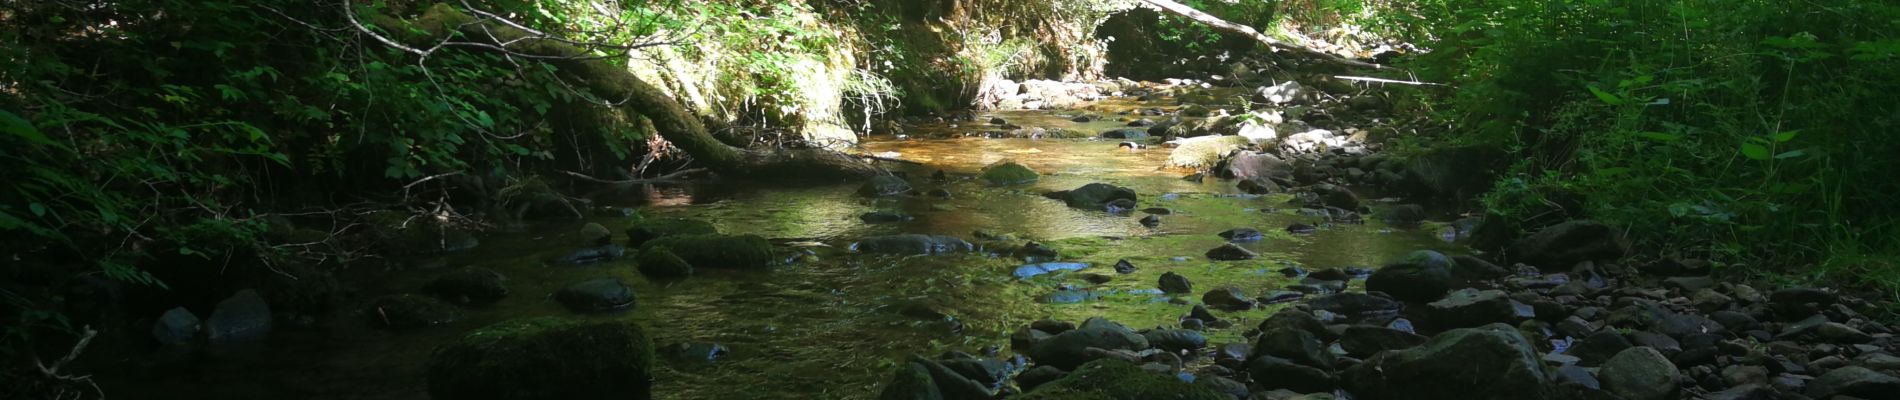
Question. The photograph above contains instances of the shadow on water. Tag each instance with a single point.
(834, 325)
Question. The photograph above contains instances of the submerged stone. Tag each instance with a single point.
(1033, 270)
(545, 359)
(655, 228)
(912, 244)
(718, 251)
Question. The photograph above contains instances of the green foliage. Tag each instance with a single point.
(139, 129)
(1755, 133)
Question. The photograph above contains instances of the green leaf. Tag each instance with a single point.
(39, 210)
(1755, 151)
(1611, 172)
(1790, 154)
(1784, 137)
(1607, 98)
(1659, 136)
(16, 126)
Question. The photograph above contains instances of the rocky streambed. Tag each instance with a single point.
(1147, 241)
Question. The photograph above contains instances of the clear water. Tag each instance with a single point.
(832, 327)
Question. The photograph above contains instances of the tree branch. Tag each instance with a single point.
(1213, 21)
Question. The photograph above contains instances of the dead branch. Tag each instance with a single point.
(1217, 23)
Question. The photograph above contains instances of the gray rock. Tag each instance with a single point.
(1364, 341)
(244, 315)
(1452, 365)
(1640, 373)
(1300, 346)
(1070, 349)
(912, 244)
(1355, 305)
(1230, 252)
(176, 326)
(1564, 245)
(884, 185)
(1835, 332)
(1176, 339)
(1598, 348)
(1410, 281)
(1472, 307)
(596, 295)
(1227, 298)
(1854, 381)
(1683, 325)
(1278, 373)
(1094, 196)
(1174, 283)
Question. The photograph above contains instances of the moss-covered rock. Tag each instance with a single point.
(545, 358)
(1117, 380)
(1009, 173)
(717, 251)
(655, 228)
(660, 262)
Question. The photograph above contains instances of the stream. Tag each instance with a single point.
(834, 324)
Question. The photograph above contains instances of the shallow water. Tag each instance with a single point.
(833, 326)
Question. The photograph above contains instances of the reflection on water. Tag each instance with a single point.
(832, 328)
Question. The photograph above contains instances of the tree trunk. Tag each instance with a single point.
(613, 82)
(1213, 21)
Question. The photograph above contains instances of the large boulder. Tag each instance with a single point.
(1204, 151)
(1640, 373)
(1114, 380)
(1094, 196)
(1070, 349)
(912, 244)
(1009, 173)
(545, 358)
(655, 228)
(1278, 373)
(1413, 282)
(1249, 165)
(884, 185)
(1356, 305)
(175, 326)
(1366, 340)
(1297, 345)
(596, 295)
(1489, 362)
(1472, 307)
(244, 315)
(718, 251)
(1854, 381)
(1564, 245)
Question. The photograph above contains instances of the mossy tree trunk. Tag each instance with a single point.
(606, 79)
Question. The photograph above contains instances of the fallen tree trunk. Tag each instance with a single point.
(615, 83)
(1210, 20)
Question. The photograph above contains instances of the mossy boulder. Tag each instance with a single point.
(545, 358)
(655, 228)
(660, 262)
(717, 251)
(1009, 173)
(1116, 380)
